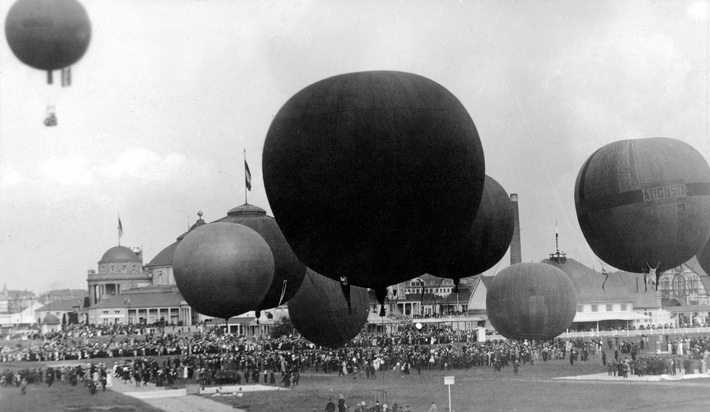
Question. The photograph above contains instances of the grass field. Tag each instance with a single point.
(475, 389)
(481, 389)
(64, 397)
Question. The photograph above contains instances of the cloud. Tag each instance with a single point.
(74, 170)
(10, 177)
(145, 165)
(697, 11)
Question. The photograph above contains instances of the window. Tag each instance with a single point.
(595, 308)
(580, 308)
(609, 307)
(623, 307)
(105, 312)
(117, 312)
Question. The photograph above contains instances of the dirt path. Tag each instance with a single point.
(172, 400)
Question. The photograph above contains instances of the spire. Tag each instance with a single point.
(558, 257)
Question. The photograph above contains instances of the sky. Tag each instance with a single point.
(171, 93)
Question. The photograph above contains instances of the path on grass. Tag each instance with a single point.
(172, 400)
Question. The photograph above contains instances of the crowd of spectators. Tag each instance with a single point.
(208, 355)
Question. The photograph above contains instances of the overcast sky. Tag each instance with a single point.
(170, 94)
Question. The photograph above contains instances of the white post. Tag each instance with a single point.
(449, 397)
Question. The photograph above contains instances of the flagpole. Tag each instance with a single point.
(246, 202)
(119, 229)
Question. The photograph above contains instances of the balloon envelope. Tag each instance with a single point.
(320, 313)
(374, 176)
(288, 268)
(490, 234)
(531, 301)
(48, 34)
(644, 203)
(703, 257)
(223, 269)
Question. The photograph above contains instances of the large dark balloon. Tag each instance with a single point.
(374, 176)
(703, 257)
(644, 203)
(490, 235)
(288, 268)
(223, 269)
(531, 301)
(320, 312)
(48, 34)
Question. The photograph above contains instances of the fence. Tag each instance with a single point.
(635, 333)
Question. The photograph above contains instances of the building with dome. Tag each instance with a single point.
(120, 268)
(126, 291)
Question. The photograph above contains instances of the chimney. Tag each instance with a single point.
(515, 253)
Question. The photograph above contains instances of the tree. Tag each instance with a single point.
(284, 327)
(64, 320)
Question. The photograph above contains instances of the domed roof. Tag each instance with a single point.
(245, 210)
(165, 257)
(198, 223)
(120, 254)
(51, 319)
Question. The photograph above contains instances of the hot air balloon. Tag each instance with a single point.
(703, 257)
(321, 314)
(490, 234)
(289, 271)
(531, 301)
(48, 34)
(374, 176)
(223, 269)
(644, 205)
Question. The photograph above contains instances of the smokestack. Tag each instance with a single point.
(515, 253)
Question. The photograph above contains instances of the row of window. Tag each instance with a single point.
(609, 307)
(429, 290)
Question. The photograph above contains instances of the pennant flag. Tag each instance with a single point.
(247, 175)
(120, 228)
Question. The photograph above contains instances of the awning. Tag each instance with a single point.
(602, 316)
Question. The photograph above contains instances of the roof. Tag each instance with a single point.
(601, 316)
(694, 265)
(51, 319)
(164, 257)
(62, 305)
(487, 280)
(593, 286)
(120, 254)
(142, 300)
(688, 309)
(458, 298)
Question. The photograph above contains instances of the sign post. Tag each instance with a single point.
(449, 380)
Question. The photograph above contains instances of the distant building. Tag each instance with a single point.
(14, 301)
(684, 291)
(616, 300)
(67, 310)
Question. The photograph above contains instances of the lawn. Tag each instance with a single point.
(481, 389)
(63, 397)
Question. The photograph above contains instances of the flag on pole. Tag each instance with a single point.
(247, 175)
(120, 228)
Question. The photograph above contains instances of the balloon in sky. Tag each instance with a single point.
(48, 34)
(490, 235)
(320, 312)
(531, 301)
(703, 257)
(644, 204)
(374, 176)
(289, 271)
(223, 269)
